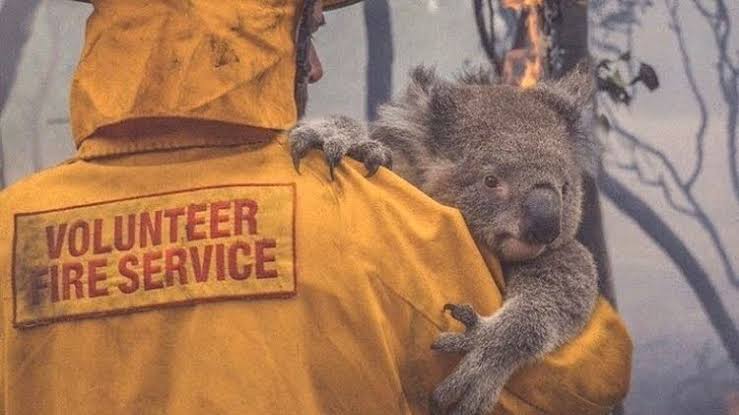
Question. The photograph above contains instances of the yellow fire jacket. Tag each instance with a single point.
(182, 266)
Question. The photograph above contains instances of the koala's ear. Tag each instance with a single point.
(482, 74)
(578, 84)
(442, 103)
(428, 105)
(431, 96)
(423, 79)
(572, 96)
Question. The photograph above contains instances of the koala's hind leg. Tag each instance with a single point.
(338, 136)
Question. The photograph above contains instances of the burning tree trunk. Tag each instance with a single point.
(524, 63)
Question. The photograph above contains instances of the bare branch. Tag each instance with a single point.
(698, 279)
(637, 144)
(696, 210)
(672, 6)
(728, 72)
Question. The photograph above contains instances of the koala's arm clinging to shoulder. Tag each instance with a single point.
(400, 139)
(548, 301)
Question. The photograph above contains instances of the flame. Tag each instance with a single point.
(535, 54)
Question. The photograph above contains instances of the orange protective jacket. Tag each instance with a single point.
(179, 265)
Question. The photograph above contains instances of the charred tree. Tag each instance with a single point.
(379, 55)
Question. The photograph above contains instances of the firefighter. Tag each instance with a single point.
(179, 265)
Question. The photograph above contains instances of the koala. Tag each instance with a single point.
(511, 160)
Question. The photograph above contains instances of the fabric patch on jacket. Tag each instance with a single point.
(205, 244)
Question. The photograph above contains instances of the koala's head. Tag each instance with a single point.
(510, 159)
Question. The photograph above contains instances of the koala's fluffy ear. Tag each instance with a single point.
(572, 96)
(427, 105)
(423, 79)
(407, 112)
(431, 97)
(482, 74)
(578, 85)
(442, 112)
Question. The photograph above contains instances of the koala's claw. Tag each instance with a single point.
(451, 342)
(464, 313)
(338, 137)
(302, 140)
(373, 154)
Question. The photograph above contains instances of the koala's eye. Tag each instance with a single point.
(492, 181)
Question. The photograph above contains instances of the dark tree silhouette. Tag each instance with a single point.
(484, 13)
(379, 54)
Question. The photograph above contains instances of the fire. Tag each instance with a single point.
(532, 58)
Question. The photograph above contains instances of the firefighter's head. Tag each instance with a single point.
(245, 61)
(310, 69)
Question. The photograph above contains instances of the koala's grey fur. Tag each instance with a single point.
(511, 161)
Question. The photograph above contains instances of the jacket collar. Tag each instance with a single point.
(160, 134)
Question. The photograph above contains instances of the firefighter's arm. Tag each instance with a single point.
(588, 375)
(422, 257)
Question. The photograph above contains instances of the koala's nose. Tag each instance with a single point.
(542, 209)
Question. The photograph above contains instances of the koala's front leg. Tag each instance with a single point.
(338, 136)
(494, 347)
(548, 302)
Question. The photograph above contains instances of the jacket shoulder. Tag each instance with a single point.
(418, 248)
(38, 190)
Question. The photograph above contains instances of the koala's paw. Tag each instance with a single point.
(338, 137)
(451, 342)
(474, 386)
